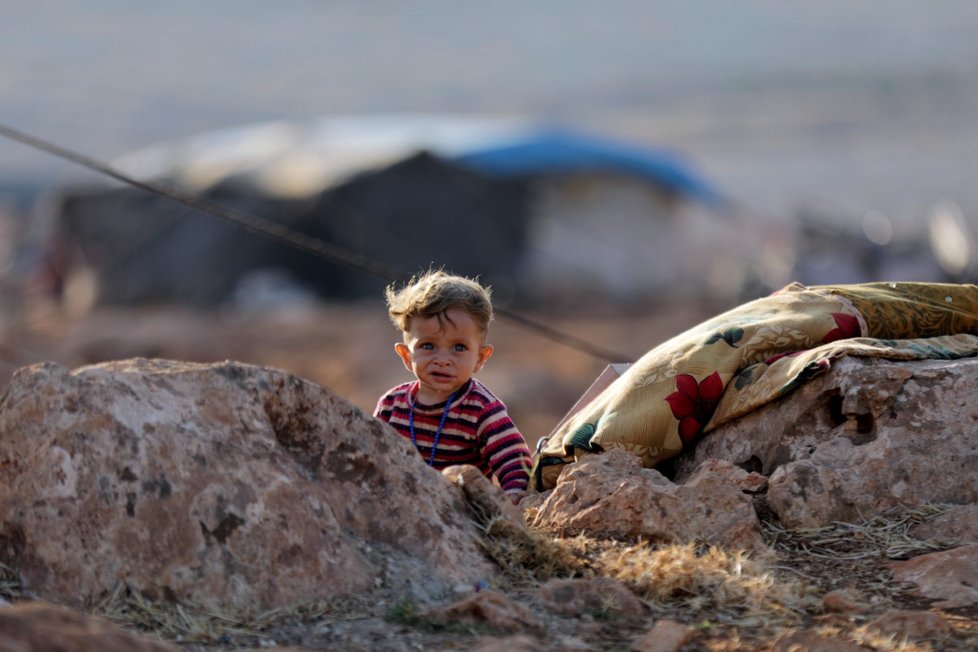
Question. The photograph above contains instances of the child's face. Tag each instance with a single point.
(443, 354)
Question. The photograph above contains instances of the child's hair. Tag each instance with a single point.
(435, 292)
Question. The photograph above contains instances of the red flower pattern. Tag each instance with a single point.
(846, 326)
(693, 403)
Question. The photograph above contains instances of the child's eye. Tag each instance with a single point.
(427, 346)
(459, 348)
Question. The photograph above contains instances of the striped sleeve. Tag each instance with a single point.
(392, 405)
(504, 448)
(385, 406)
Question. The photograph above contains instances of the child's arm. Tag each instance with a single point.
(505, 448)
(385, 407)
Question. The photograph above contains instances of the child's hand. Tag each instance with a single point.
(516, 496)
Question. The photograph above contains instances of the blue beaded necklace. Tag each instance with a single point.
(441, 424)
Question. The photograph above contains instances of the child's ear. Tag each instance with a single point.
(485, 352)
(404, 353)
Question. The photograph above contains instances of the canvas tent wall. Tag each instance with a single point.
(528, 209)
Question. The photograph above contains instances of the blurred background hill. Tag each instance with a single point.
(842, 136)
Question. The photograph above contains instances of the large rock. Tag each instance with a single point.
(867, 436)
(601, 597)
(222, 484)
(910, 625)
(611, 495)
(43, 627)
(956, 527)
(949, 577)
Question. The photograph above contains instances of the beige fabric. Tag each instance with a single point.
(748, 356)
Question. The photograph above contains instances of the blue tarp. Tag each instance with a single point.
(550, 151)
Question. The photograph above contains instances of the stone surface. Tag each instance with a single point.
(910, 625)
(867, 436)
(487, 503)
(221, 484)
(599, 597)
(957, 527)
(665, 636)
(611, 495)
(520, 643)
(43, 627)
(807, 640)
(488, 609)
(949, 577)
(749, 482)
(841, 603)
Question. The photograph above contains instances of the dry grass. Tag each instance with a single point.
(187, 623)
(10, 584)
(736, 601)
(854, 556)
(873, 639)
(525, 557)
(721, 585)
(886, 535)
(733, 601)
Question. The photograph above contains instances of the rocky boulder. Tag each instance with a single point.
(867, 436)
(949, 577)
(602, 597)
(611, 495)
(957, 526)
(220, 484)
(43, 627)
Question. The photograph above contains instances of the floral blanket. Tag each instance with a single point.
(753, 354)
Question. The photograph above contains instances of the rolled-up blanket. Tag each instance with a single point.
(737, 361)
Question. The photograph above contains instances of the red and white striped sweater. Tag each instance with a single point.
(477, 431)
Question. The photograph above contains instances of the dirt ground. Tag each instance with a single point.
(349, 348)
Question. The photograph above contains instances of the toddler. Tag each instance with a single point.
(448, 414)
